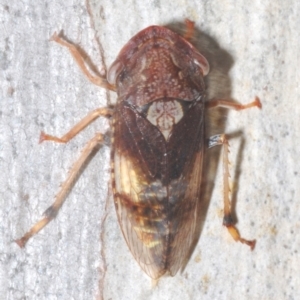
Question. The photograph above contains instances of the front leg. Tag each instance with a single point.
(100, 81)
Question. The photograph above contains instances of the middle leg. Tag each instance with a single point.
(92, 116)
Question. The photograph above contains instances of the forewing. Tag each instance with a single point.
(140, 218)
(157, 219)
(138, 195)
(186, 155)
(184, 217)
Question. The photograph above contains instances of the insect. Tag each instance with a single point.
(158, 143)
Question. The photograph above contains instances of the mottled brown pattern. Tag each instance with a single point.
(155, 64)
(156, 158)
(157, 179)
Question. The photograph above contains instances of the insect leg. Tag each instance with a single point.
(227, 220)
(190, 28)
(100, 81)
(92, 116)
(52, 211)
(229, 104)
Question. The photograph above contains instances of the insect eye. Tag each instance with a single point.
(114, 71)
(201, 61)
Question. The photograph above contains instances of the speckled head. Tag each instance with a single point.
(158, 63)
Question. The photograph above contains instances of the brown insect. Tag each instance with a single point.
(157, 146)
